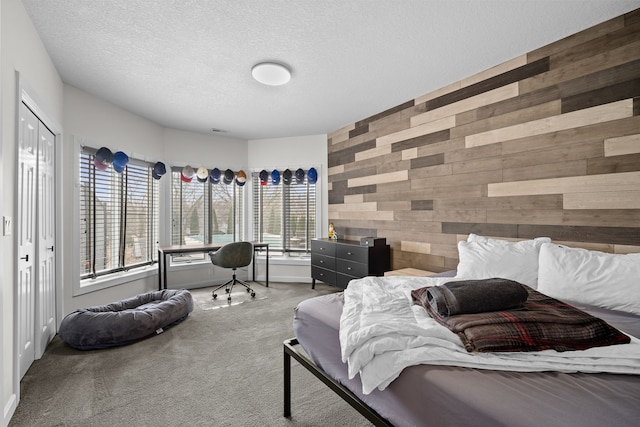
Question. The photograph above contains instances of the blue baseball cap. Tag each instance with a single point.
(312, 175)
(275, 177)
(214, 177)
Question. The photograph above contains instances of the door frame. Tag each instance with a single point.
(25, 94)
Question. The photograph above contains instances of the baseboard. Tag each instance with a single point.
(9, 409)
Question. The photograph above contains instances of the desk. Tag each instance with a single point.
(163, 251)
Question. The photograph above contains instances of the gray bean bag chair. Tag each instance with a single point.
(126, 321)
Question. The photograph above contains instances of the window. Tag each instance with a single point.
(284, 215)
(118, 217)
(204, 212)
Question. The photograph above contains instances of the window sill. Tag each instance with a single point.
(91, 285)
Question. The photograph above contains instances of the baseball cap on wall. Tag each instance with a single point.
(286, 176)
(202, 174)
(275, 177)
(215, 176)
(299, 176)
(120, 161)
(228, 176)
(103, 158)
(187, 174)
(241, 178)
(264, 176)
(158, 170)
(312, 175)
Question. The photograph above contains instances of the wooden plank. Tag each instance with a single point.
(605, 95)
(603, 200)
(589, 133)
(614, 164)
(376, 215)
(626, 181)
(622, 145)
(524, 115)
(379, 179)
(458, 215)
(417, 247)
(374, 152)
(409, 271)
(558, 153)
(490, 97)
(589, 116)
(610, 235)
(525, 71)
(427, 161)
(546, 170)
(548, 201)
(420, 130)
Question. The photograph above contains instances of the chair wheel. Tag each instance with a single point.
(227, 290)
(215, 296)
(248, 290)
(229, 299)
(253, 294)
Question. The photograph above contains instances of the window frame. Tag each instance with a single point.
(257, 215)
(124, 274)
(238, 207)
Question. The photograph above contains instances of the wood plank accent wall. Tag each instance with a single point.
(547, 144)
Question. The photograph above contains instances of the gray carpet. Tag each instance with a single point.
(222, 366)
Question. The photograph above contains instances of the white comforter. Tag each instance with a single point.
(382, 332)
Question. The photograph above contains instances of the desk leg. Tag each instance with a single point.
(253, 277)
(267, 264)
(159, 270)
(164, 268)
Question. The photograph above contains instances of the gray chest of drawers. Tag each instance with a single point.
(336, 262)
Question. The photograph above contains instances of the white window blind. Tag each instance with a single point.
(118, 217)
(284, 215)
(205, 213)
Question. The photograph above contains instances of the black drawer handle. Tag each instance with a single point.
(321, 274)
(322, 249)
(349, 253)
(349, 268)
(321, 261)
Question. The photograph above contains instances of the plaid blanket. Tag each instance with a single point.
(544, 323)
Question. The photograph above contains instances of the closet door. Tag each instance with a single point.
(35, 222)
(26, 237)
(46, 273)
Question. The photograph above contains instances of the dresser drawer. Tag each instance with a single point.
(342, 280)
(323, 248)
(324, 275)
(323, 261)
(351, 268)
(353, 253)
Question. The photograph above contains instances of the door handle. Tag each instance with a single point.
(50, 249)
(26, 257)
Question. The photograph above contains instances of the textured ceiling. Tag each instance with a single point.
(187, 64)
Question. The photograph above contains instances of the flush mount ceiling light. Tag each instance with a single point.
(271, 73)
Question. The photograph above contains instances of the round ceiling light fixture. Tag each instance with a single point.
(271, 73)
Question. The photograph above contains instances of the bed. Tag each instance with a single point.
(447, 395)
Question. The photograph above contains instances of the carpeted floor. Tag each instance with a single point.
(222, 366)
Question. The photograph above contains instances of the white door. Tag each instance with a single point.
(26, 236)
(46, 273)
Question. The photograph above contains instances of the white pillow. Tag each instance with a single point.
(590, 277)
(484, 258)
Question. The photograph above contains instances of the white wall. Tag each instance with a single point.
(103, 124)
(23, 51)
(85, 116)
(292, 153)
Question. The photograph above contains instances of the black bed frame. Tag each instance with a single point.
(339, 389)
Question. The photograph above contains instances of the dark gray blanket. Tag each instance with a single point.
(473, 296)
